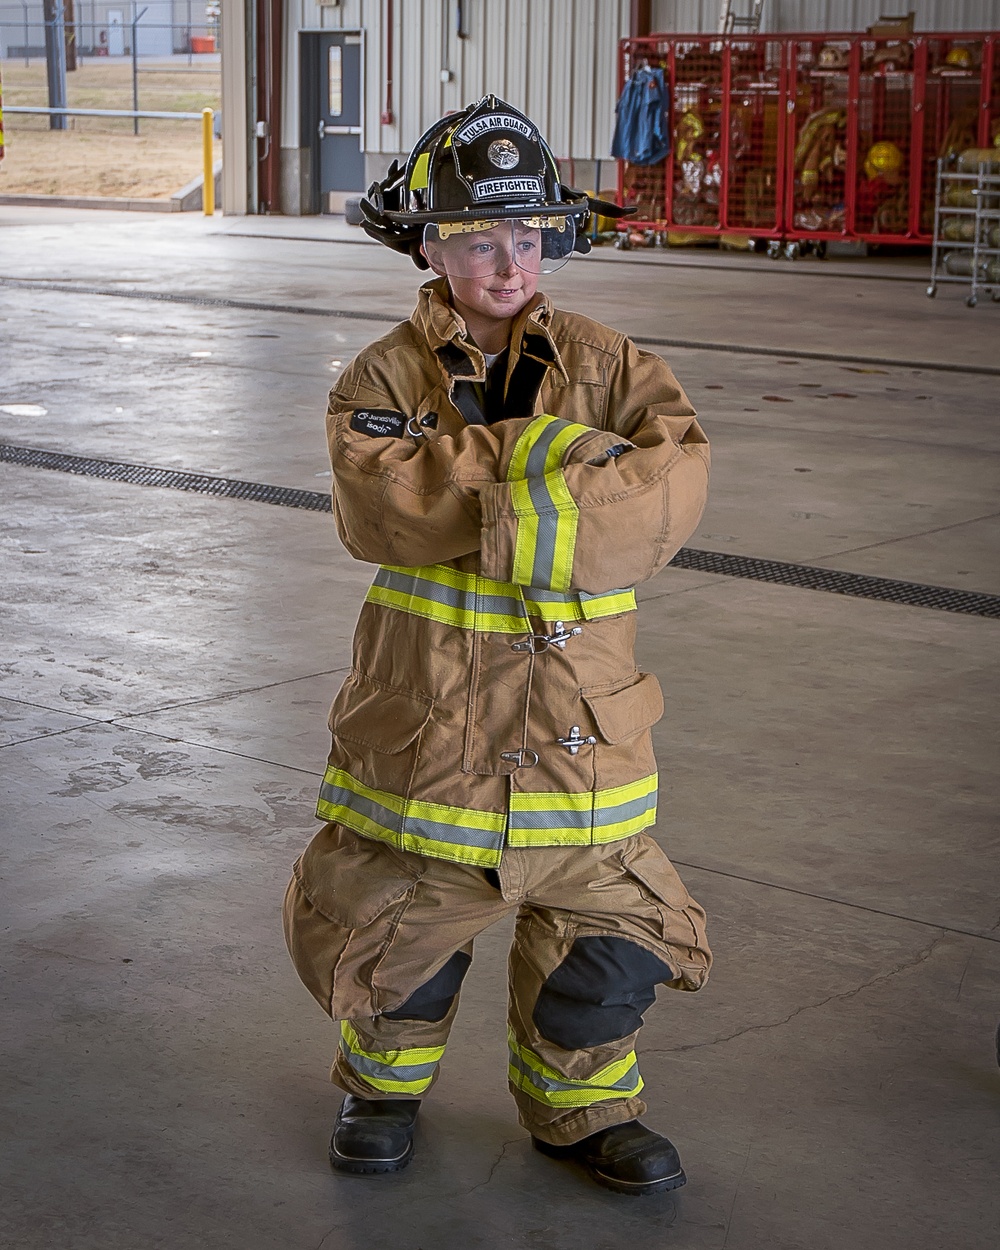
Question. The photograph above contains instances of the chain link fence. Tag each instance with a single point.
(103, 100)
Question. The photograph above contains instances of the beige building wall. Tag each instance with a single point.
(555, 59)
(236, 174)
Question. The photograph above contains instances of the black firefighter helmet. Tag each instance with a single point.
(487, 163)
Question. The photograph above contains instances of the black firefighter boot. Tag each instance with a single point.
(628, 1158)
(373, 1135)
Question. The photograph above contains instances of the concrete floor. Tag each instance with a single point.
(828, 766)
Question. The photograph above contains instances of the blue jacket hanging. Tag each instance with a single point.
(642, 129)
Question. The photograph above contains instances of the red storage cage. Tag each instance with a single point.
(886, 175)
(694, 166)
(644, 186)
(810, 137)
(819, 154)
(754, 85)
(724, 171)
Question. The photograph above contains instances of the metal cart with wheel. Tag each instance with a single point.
(966, 247)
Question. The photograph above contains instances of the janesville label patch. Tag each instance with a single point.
(379, 422)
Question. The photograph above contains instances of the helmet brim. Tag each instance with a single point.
(578, 206)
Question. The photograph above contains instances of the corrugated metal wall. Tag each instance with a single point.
(703, 15)
(555, 59)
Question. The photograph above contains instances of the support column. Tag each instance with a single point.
(55, 60)
(238, 146)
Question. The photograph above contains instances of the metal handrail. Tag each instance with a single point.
(132, 113)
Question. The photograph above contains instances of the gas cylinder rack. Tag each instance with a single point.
(967, 225)
(791, 141)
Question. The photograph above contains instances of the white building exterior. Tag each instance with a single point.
(164, 28)
(555, 59)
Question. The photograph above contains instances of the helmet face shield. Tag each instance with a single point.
(479, 249)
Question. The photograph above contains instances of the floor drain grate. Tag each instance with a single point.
(837, 582)
(174, 479)
(803, 576)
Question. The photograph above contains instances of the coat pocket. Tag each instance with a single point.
(383, 718)
(683, 919)
(622, 712)
(351, 880)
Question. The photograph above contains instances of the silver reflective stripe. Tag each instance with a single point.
(412, 825)
(382, 816)
(468, 605)
(557, 818)
(548, 521)
(384, 1071)
(450, 596)
(535, 465)
(630, 1083)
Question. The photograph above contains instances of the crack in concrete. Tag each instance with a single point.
(717, 579)
(204, 746)
(226, 694)
(920, 958)
(736, 1194)
(965, 971)
(52, 733)
(329, 1233)
(888, 542)
(839, 902)
(768, 428)
(496, 1163)
(117, 717)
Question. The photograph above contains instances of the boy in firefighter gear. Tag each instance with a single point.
(515, 471)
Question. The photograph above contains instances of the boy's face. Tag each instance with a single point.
(483, 269)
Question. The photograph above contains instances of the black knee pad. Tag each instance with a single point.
(434, 998)
(598, 993)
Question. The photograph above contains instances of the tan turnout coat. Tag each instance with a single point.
(464, 725)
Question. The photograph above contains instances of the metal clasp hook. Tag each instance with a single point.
(574, 742)
(536, 643)
(418, 429)
(520, 757)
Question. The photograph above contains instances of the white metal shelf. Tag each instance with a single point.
(984, 268)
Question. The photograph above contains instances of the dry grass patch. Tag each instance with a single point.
(98, 155)
(53, 162)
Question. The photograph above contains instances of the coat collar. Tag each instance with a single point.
(440, 325)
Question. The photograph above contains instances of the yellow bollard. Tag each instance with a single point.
(208, 186)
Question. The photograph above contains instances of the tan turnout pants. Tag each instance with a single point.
(382, 938)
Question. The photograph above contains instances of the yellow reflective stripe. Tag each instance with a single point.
(418, 180)
(417, 605)
(391, 1071)
(608, 1075)
(438, 830)
(453, 852)
(610, 604)
(547, 520)
(561, 444)
(467, 817)
(529, 1074)
(547, 515)
(391, 1058)
(517, 469)
(553, 435)
(526, 539)
(588, 818)
(440, 593)
(566, 526)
